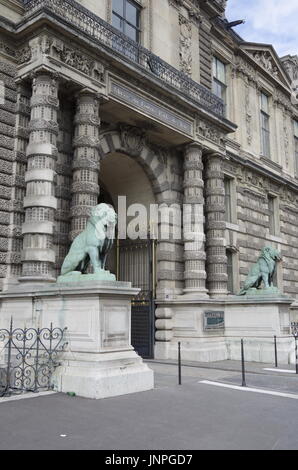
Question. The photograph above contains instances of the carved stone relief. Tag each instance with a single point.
(206, 130)
(244, 69)
(282, 100)
(77, 59)
(7, 49)
(66, 53)
(265, 60)
(185, 52)
(248, 113)
(286, 138)
(40, 46)
(290, 64)
(132, 138)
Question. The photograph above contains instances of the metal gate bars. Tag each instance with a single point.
(28, 358)
(136, 263)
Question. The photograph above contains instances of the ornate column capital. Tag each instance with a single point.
(194, 146)
(219, 155)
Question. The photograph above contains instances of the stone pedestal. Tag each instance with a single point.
(255, 319)
(294, 311)
(99, 361)
(258, 320)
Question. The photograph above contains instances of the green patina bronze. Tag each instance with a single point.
(262, 270)
(91, 246)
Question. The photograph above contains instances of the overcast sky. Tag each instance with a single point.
(267, 21)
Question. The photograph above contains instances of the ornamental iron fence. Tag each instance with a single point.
(79, 17)
(28, 358)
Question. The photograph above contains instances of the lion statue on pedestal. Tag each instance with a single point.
(94, 243)
(262, 270)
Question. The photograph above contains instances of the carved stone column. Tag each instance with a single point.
(85, 188)
(40, 203)
(217, 277)
(193, 220)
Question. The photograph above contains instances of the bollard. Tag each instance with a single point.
(294, 330)
(296, 354)
(275, 351)
(179, 363)
(243, 364)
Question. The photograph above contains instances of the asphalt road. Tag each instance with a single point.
(187, 417)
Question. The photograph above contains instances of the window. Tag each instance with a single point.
(219, 79)
(273, 213)
(265, 129)
(126, 18)
(230, 271)
(296, 145)
(228, 199)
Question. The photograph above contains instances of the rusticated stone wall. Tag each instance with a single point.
(19, 188)
(289, 231)
(8, 219)
(251, 231)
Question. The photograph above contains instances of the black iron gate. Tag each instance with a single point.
(136, 264)
(28, 358)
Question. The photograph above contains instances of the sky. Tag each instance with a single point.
(267, 21)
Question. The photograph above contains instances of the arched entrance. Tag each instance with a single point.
(132, 260)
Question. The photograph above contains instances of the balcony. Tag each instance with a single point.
(85, 22)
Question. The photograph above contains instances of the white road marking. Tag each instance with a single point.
(286, 371)
(25, 395)
(248, 389)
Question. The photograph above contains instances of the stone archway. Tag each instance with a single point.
(133, 171)
(124, 183)
(162, 170)
(132, 142)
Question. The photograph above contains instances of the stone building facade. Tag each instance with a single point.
(162, 102)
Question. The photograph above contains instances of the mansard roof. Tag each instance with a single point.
(265, 56)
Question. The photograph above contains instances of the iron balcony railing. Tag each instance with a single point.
(73, 13)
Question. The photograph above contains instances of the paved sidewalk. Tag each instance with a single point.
(192, 416)
(228, 365)
(166, 374)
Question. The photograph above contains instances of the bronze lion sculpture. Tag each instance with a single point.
(262, 270)
(94, 243)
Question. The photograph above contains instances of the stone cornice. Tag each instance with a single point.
(280, 179)
(15, 5)
(213, 7)
(190, 6)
